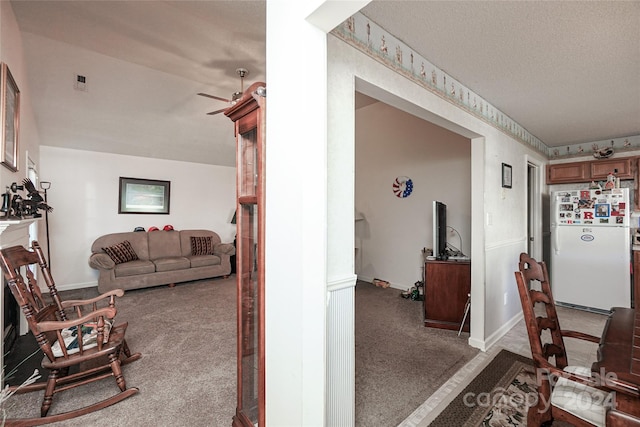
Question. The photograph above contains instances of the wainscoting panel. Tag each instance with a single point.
(501, 293)
(341, 353)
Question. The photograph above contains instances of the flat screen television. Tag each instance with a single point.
(439, 230)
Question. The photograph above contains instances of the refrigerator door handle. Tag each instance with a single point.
(554, 243)
(554, 225)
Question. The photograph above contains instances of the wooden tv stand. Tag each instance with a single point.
(447, 285)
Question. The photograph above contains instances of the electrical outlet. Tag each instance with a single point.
(505, 298)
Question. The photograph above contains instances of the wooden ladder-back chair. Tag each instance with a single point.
(77, 334)
(567, 393)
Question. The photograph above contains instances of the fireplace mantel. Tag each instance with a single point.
(15, 231)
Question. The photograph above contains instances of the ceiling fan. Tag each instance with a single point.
(242, 72)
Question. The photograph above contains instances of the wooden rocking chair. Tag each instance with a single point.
(572, 394)
(74, 333)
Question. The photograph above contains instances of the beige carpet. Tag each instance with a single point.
(399, 362)
(187, 374)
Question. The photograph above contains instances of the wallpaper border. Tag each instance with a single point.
(371, 39)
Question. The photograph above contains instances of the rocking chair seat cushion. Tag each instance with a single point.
(584, 402)
(89, 338)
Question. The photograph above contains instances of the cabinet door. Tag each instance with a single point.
(621, 168)
(568, 172)
(447, 286)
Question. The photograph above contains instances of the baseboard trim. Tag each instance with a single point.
(391, 284)
(73, 286)
(493, 338)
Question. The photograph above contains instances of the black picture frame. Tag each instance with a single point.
(507, 176)
(10, 112)
(144, 196)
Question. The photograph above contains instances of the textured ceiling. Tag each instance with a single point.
(568, 71)
(202, 42)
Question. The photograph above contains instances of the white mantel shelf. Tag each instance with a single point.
(11, 224)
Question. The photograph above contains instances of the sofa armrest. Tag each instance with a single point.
(224, 248)
(101, 261)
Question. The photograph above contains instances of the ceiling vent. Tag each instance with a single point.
(80, 83)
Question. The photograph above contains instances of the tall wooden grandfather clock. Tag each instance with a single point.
(248, 115)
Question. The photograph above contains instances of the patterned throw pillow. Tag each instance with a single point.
(201, 246)
(122, 252)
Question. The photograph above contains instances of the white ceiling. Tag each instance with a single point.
(568, 71)
(202, 42)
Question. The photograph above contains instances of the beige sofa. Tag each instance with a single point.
(163, 257)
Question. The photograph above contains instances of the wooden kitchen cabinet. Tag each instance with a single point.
(447, 285)
(597, 170)
(568, 172)
(621, 168)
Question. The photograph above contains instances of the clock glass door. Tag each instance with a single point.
(248, 272)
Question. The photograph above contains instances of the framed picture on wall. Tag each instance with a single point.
(10, 110)
(144, 196)
(506, 175)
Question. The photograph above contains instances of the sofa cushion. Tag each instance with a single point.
(201, 245)
(204, 260)
(133, 268)
(121, 252)
(164, 244)
(139, 242)
(171, 263)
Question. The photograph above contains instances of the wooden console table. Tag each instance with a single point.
(447, 285)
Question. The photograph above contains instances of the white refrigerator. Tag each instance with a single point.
(591, 248)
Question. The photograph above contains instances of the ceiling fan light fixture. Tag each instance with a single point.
(235, 97)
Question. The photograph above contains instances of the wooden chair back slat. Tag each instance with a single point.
(534, 288)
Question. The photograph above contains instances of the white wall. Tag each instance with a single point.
(11, 53)
(84, 196)
(391, 143)
(499, 226)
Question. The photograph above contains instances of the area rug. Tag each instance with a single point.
(498, 396)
